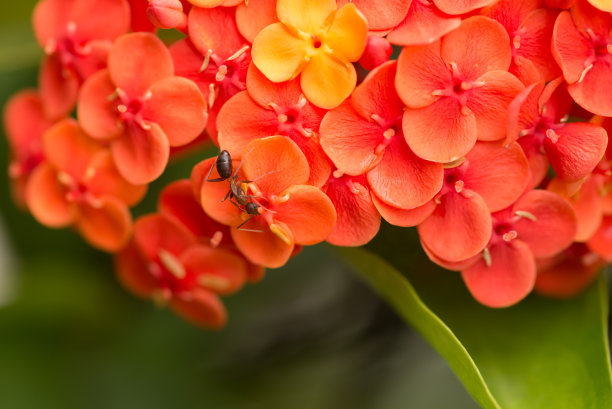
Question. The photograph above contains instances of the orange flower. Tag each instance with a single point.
(317, 41)
(79, 185)
(291, 212)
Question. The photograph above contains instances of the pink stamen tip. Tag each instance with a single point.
(212, 95)
(221, 73)
(122, 108)
(215, 240)
(389, 133)
(376, 118)
(552, 135)
(282, 118)
(511, 235)
(459, 186)
(516, 42)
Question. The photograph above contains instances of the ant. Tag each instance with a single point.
(236, 194)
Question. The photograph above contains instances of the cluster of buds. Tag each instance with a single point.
(488, 133)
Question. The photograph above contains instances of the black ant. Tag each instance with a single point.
(236, 194)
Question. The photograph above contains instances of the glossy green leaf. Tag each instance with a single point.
(541, 353)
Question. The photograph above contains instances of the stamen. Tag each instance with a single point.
(584, 73)
(64, 178)
(486, 255)
(206, 62)
(526, 215)
(376, 118)
(552, 135)
(459, 186)
(511, 235)
(516, 42)
(221, 73)
(71, 27)
(122, 108)
(216, 239)
(281, 234)
(212, 95)
(238, 53)
(282, 118)
(214, 282)
(389, 133)
(90, 172)
(51, 46)
(172, 264)
(454, 68)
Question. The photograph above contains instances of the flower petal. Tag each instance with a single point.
(137, 61)
(59, 87)
(459, 227)
(97, 111)
(253, 17)
(376, 95)
(275, 163)
(107, 226)
(575, 149)
(309, 214)
(278, 54)
(489, 47)
(46, 198)
(348, 33)
(309, 16)
(420, 72)
(490, 102)
(457, 7)
(358, 219)
(423, 24)
(440, 132)
(404, 180)
(510, 277)
(492, 165)
(590, 93)
(141, 155)
(569, 47)
(155, 232)
(216, 262)
(327, 81)
(554, 227)
(403, 217)
(133, 272)
(262, 246)
(523, 111)
(265, 92)
(214, 29)
(601, 242)
(202, 308)
(178, 107)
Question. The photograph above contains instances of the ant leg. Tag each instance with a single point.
(260, 176)
(228, 195)
(208, 179)
(237, 205)
(245, 222)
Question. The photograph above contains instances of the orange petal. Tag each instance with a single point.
(264, 247)
(440, 132)
(490, 102)
(108, 226)
(59, 87)
(253, 17)
(423, 24)
(590, 93)
(97, 113)
(570, 48)
(46, 198)
(216, 263)
(327, 80)
(178, 107)
(348, 33)
(381, 15)
(69, 149)
(206, 3)
(403, 217)
(523, 111)
(415, 85)
(309, 214)
(141, 155)
(133, 272)
(211, 194)
(275, 163)
(104, 179)
(309, 16)
(456, 7)
(376, 95)
(489, 47)
(265, 92)
(214, 29)
(358, 219)
(509, 278)
(154, 232)
(278, 54)
(404, 180)
(201, 308)
(601, 242)
(459, 227)
(137, 61)
(554, 227)
(491, 165)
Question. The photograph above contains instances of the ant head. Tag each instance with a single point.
(252, 208)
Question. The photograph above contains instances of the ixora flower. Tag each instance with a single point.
(76, 36)
(317, 41)
(78, 185)
(464, 93)
(140, 107)
(291, 213)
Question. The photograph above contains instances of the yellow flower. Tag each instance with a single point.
(315, 40)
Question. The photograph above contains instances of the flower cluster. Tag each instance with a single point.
(488, 133)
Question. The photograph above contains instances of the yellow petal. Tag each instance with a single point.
(308, 16)
(348, 33)
(603, 5)
(327, 81)
(278, 54)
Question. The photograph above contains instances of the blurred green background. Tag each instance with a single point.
(309, 336)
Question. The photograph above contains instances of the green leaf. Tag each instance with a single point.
(541, 353)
